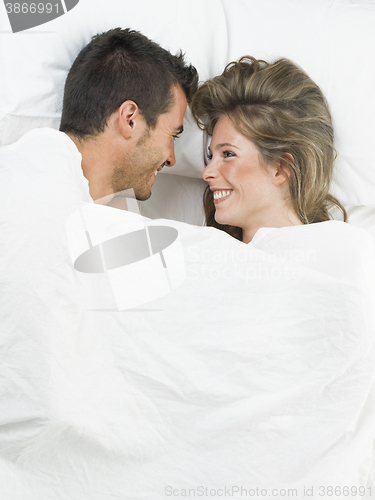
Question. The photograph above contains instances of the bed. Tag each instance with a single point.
(220, 370)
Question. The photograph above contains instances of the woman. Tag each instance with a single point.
(271, 155)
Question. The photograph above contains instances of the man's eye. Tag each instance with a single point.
(209, 156)
(176, 137)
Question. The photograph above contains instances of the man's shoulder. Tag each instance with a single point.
(41, 138)
(42, 160)
(42, 151)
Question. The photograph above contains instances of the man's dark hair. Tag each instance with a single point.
(121, 65)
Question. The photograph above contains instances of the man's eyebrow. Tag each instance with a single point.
(223, 144)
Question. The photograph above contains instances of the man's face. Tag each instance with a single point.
(153, 150)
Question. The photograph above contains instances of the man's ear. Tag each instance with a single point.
(283, 169)
(128, 116)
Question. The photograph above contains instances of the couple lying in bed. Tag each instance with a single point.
(239, 377)
(271, 155)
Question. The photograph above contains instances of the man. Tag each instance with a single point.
(124, 103)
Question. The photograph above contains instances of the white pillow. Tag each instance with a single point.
(332, 41)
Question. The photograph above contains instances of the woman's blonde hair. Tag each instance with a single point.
(284, 113)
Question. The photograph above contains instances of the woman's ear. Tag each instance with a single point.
(283, 169)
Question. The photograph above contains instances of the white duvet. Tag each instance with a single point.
(252, 378)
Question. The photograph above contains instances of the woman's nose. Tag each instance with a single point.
(210, 171)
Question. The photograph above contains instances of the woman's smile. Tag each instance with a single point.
(221, 195)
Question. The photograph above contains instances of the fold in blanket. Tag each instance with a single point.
(256, 371)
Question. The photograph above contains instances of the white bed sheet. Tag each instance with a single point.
(256, 372)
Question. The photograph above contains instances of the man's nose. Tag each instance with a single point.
(171, 160)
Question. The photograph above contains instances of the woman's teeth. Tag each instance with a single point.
(221, 194)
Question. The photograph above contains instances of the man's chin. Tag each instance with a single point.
(143, 196)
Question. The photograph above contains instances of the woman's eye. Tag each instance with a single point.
(228, 154)
(209, 156)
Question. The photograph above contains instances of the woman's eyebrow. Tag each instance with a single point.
(223, 144)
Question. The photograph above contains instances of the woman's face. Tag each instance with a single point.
(243, 185)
